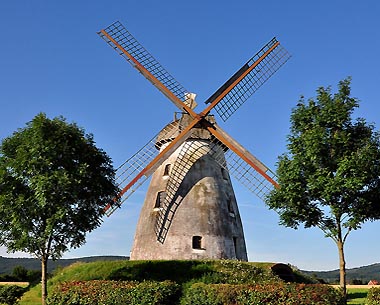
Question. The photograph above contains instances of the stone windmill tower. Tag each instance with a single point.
(190, 210)
(199, 192)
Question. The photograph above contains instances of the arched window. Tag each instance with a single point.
(224, 173)
(235, 244)
(167, 170)
(230, 206)
(159, 199)
(197, 242)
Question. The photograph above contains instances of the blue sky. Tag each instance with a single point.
(52, 61)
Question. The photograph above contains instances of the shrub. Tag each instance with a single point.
(238, 272)
(34, 277)
(99, 292)
(20, 273)
(6, 278)
(9, 294)
(275, 294)
(373, 297)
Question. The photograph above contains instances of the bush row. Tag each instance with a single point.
(167, 292)
(100, 292)
(9, 294)
(373, 297)
(276, 294)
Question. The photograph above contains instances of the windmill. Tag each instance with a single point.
(190, 209)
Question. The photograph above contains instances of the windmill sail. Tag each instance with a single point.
(196, 145)
(122, 41)
(248, 79)
(172, 200)
(242, 165)
(245, 167)
(135, 170)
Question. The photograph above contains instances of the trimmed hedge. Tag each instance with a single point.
(277, 294)
(101, 292)
(373, 297)
(9, 294)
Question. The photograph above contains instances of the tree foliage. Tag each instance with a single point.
(54, 185)
(332, 171)
(330, 176)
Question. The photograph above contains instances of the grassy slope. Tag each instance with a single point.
(181, 272)
(32, 297)
(7, 265)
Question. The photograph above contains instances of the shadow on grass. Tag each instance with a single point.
(357, 295)
(177, 271)
(357, 298)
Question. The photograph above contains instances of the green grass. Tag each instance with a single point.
(357, 296)
(176, 271)
(32, 297)
(181, 272)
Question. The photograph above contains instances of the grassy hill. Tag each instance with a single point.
(365, 273)
(192, 281)
(180, 272)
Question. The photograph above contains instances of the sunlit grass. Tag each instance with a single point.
(179, 271)
(357, 296)
(127, 269)
(32, 297)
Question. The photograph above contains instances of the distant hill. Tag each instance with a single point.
(364, 274)
(7, 264)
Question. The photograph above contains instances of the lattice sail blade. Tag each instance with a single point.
(228, 154)
(248, 176)
(134, 171)
(122, 41)
(245, 167)
(190, 152)
(231, 95)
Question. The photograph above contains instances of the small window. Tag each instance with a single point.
(224, 173)
(160, 199)
(235, 244)
(167, 170)
(197, 242)
(230, 207)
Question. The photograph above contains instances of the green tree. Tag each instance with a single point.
(54, 185)
(20, 273)
(329, 178)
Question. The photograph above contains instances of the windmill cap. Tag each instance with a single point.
(173, 129)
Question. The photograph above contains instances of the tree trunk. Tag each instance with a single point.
(342, 268)
(44, 261)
